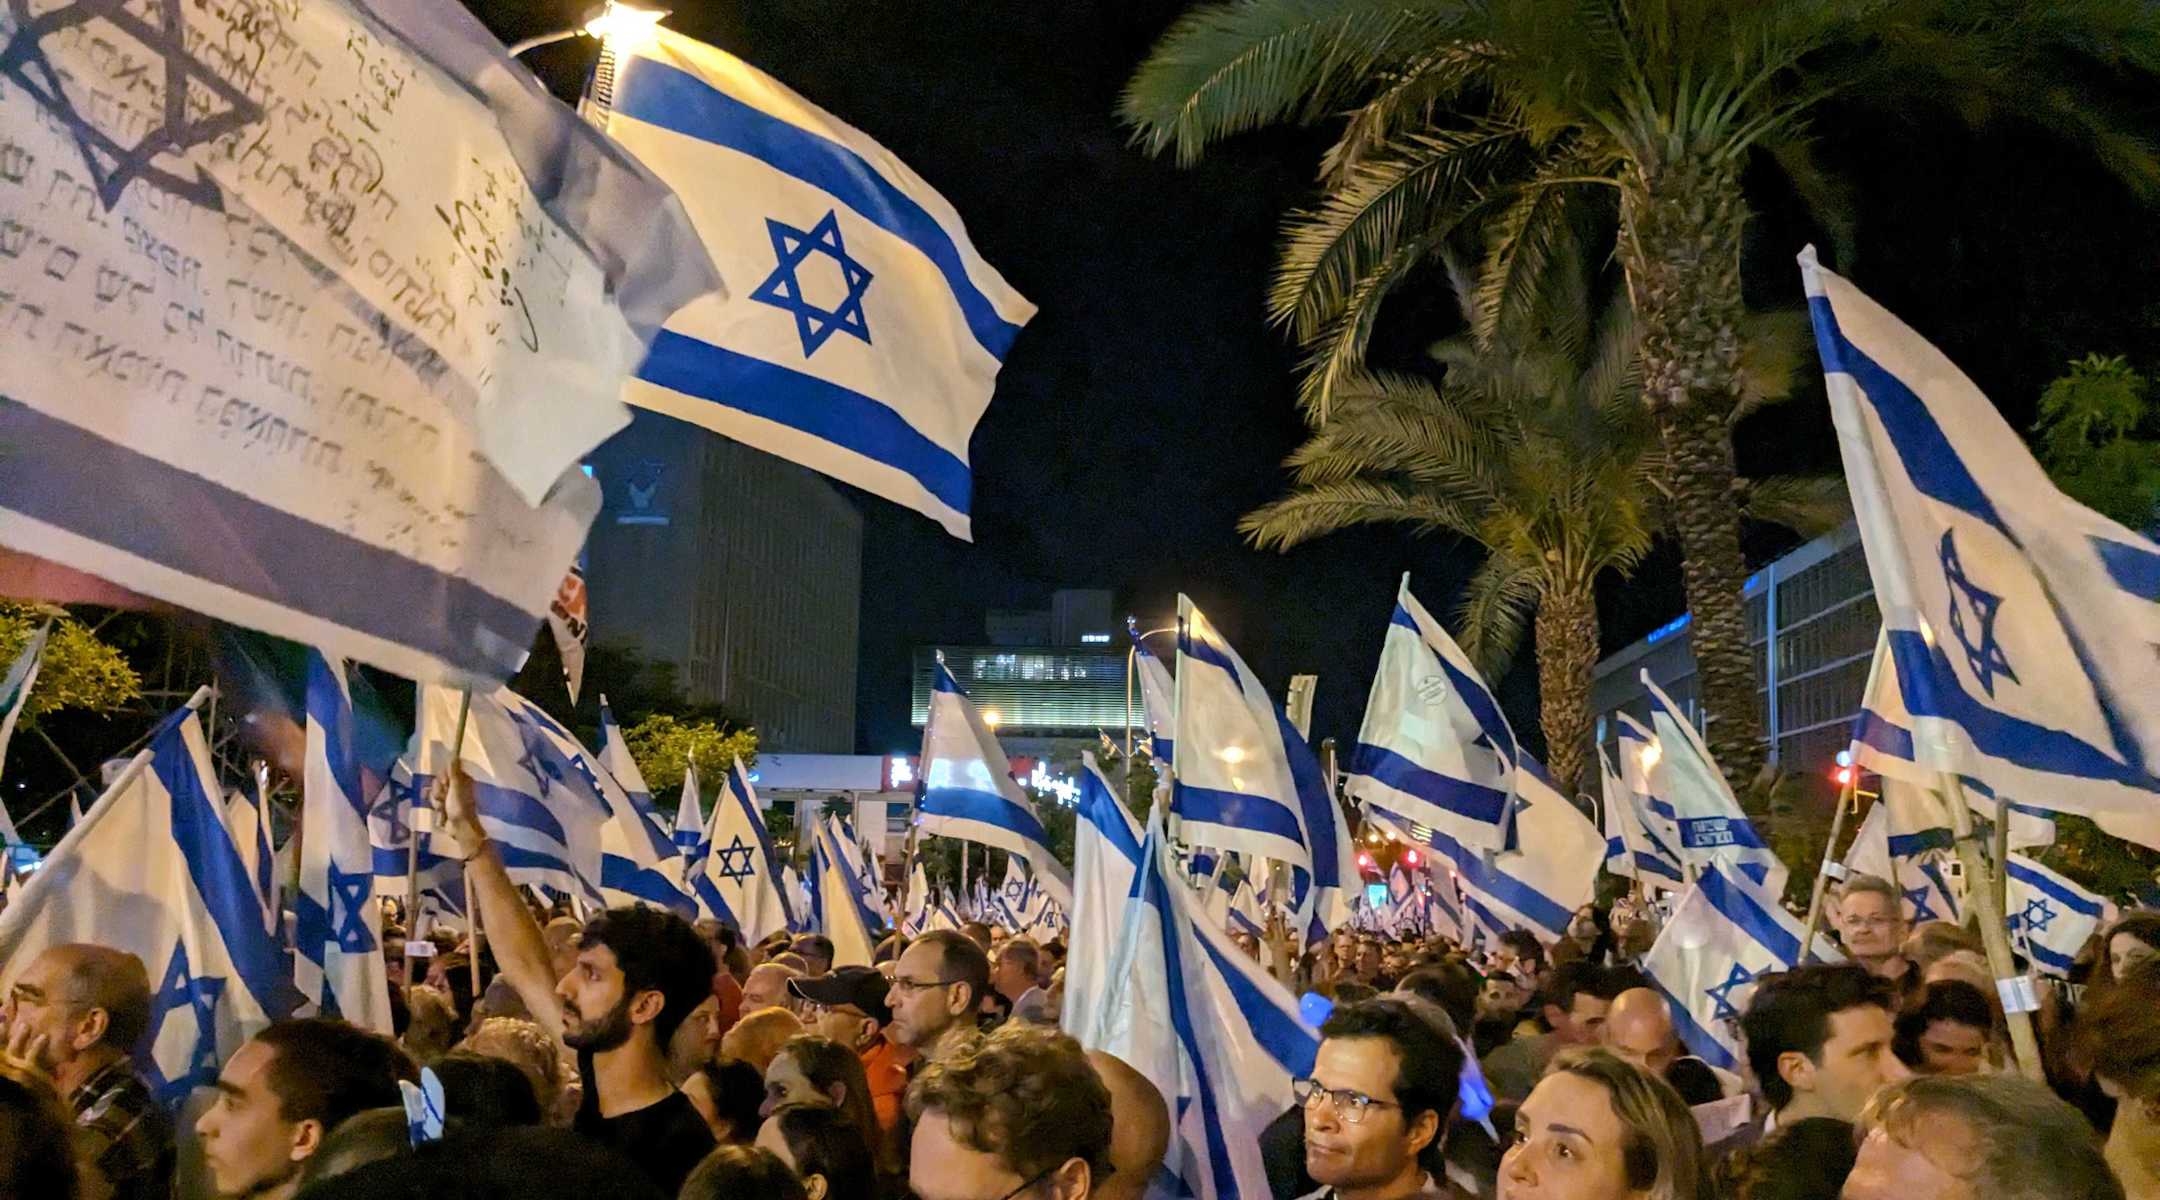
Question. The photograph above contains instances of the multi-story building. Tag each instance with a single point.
(1813, 619)
(1047, 699)
(741, 570)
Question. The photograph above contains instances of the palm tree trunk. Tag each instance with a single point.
(1567, 652)
(1680, 236)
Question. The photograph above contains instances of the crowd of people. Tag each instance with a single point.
(638, 1055)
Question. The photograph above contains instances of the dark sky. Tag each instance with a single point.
(1148, 405)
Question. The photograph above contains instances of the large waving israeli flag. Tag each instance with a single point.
(14, 694)
(1906, 839)
(968, 790)
(2051, 918)
(1726, 933)
(1537, 888)
(840, 896)
(1157, 696)
(1711, 826)
(2022, 624)
(1219, 1036)
(152, 870)
(1639, 755)
(739, 879)
(639, 860)
(1106, 854)
(1246, 780)
(1631, 850)
(867, 334)
(337, 925)
(1434, 746)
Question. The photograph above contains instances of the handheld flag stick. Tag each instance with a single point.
(473, 936)
(2002, 852)
(1132, 655)
(2015, 990)
(1848, 799)
(417, 824)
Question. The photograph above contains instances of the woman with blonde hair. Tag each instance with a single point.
(1597, 1127)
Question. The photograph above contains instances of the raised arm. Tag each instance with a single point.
(520, 951)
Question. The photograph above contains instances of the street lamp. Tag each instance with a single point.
(625, 24)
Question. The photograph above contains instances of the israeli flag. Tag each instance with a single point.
(1157, 696)
(1434, 746)
(1444, 909)
(639, 860)
(689, 815)
(1246, 780)
(1711, 826)
(839, 896)
(739, 879)
(14, 693)
(1726, 933)
(247, 818)
(2022, 625)
(915, 909)
(1906, 839)
(1219, 1036)
(537, 795)
(2051, 918)
(1402, 915)
(152, 870)
(1106, 855)
(1537, 888)
(968, 790)
(866, 339)
(1631, 850)
(398, 816)
(337, 925)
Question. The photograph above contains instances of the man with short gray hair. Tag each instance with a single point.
(1977, 1137)
(1871, 919)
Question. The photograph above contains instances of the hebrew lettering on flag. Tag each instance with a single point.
(339, 294)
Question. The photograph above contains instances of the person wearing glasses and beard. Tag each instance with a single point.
(1377, 1106)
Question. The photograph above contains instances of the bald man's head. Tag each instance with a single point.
(756, 1038)
(1139, 1129)
(1640, 1029)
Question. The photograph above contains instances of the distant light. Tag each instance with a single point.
(1666, 630)
(1364, 860)
(1231, 754)
(1095, 639)
(1410, 856)
(1651, 753)
(903, 771)
(626, 25)
(1843, 775)
(1844, 758)
(992, 717)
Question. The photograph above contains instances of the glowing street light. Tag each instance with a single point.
(625, 26)
(991, 717)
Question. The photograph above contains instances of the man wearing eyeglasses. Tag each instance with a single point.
(1377, 1105)
(1871, 920)
(1019, 1115)
(849, 1006)
(937, 985)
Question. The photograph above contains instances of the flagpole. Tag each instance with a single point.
(2015, 990)
(412, 851)
(2002, 852)
(1848, 799)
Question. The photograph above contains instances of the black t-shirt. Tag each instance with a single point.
(667, 1139)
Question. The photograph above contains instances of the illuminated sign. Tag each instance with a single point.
(1095, 639)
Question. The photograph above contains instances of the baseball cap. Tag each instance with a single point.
(859, 987)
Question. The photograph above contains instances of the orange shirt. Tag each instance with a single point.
(886, 1065)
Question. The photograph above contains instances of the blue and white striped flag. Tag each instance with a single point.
(1157, 696)
(1711, 826)
(1434, 746)
(1906, 839)
(866, 336)
(247, 818)
(14, 693)
(915, 907)
(840, 896)
(1247, 781)
(1725, 933)
(1106, 854)
(1403, 916)
(337, 925)
(1444, 909)
(152, 870)
(1219, 1036)
(1639, 755)
(2023, 626)
(398, 816)
(739, 879)
(968, 790)
(2051, 918)
(639, 860)
(690, 814)
(1631, 851)
(1537, 888)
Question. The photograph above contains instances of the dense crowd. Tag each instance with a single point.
(634, 1054)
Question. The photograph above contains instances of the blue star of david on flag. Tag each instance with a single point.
(1917, 897)
(2038, 915)
(350, 894)
(178, 989)
(1972, 620)
(1721, 995)
(736, 862)
(398, 798)
(536, 755)
(783, 289)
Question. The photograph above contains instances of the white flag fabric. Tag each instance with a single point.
(1434, 746)
(391, 836)
(14, 694)
(867, 339)
(740, 880)
(248, 821)
(1106, 853)
(352, 324)
(640, 862)
(2051, 918)
(916, 906)
(968, 790)
(1218, 1035)
(839, 895)
(1639, 755)
(1711, 826)
(1157, 697)
(2022, 625)
(1725, 933)
(152, 870)
(1247, 781)
(337, 925)
(569, 619)
(1631, 850)
(1906, 839)
(690, 814)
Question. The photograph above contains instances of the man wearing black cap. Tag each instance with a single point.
(849, 1007)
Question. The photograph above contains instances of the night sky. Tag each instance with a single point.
(1148, 405)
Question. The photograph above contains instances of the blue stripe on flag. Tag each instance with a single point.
(220, 878)
(1905, 845)
(1291, 1044)
(2133, 568)
(516, 809)
(2035, 879)
(1203, 650)
(1871, 728)
(623, 875)
(1466, 799)
(216, 534)
(1150, 881)
(1235, 810)
(767, 860)
(1742, 910)
(826, 411)
(969, 804)
(1468, 690)
(329, 707)
(672, 99)
(1699, 1041)
(2060, 963)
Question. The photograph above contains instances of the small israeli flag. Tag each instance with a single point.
(739, 879)
(690, 814)
(2051, 918)
(1725, 934)
(968, 790)
(1156, 696)
(639, 860)
(840, 896)
(1707, 814)
(1631, 850)
(337, 926)
(1906, 839)
(868, 335)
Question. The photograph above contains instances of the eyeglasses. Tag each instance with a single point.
(837, 1010)
(920, 985)
(1872, 922)
(1351, 1106)
(1041, 1175)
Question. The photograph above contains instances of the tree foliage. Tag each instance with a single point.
(79, 671)
(663, 743)
(2099, 438)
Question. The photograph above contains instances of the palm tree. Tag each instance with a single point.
(1506, 114)
(1536, 446)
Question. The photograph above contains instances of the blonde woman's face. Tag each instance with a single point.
(2124, 952)
(1568, 1144)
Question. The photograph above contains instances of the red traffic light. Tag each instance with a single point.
(1364, 860)
(1843, 775)
(1410, 857)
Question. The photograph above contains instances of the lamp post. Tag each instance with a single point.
(610, 20)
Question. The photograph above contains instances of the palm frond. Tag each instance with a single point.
(1494, 612)
(1777, 349)
(1809, 505)
(1229, 68)
(1310, 512)
(1524, 243)
(1336, 351)
(1829, 197)
(1403, 104)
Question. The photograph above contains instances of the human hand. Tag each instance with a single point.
(25, 1050)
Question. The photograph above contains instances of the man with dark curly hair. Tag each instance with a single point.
(1020, 1115)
